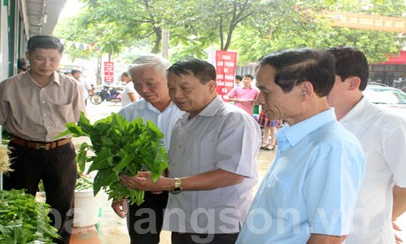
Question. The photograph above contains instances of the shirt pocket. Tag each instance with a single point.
(277, 196)
(203, 156)
(62, 113)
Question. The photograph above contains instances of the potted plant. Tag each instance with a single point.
(86, 211)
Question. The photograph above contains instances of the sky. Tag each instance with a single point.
(71, 9)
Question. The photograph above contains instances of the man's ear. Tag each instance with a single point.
(306, 89)
(353, 82)
(212, 85)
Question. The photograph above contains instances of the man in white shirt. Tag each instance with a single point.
(383, 137)
(129, 95)
(87, 87)
(149, 79)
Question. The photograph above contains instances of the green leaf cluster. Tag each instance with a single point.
(23, 220)
(83, 183)
(253, 28)
(119, 147)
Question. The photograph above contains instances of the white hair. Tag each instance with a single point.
(160, 63)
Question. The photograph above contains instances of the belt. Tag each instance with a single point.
(40, 145)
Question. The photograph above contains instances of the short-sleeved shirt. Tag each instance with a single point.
(125, 98)
(244, 93)
(37, 113)
(164, 120)
(86, 87)
(383, 138)
(221, 136)
(312, 186)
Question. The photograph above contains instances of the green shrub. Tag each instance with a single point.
(24, 220)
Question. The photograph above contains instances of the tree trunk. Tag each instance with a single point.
(165, 43)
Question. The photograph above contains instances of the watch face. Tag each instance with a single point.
(177, 190)
(178, 186)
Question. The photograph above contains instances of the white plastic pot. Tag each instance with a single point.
(86, 212)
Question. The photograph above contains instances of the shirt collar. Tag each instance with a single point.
(55, 78)
(210, 110)
(356, 111)
(149, 106)
(297, 132)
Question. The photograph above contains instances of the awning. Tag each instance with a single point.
(42, 15)
(400, 59)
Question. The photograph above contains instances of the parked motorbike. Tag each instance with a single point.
(107, 93)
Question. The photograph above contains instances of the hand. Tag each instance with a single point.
(396, 227)
(120, 207)
(142, 181)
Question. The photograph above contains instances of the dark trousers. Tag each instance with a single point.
(193, 238)
(57, 169)
(145, 221)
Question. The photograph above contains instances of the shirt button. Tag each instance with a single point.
(43, 102)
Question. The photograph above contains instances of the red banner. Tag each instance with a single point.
(108, 72)
(226, 63)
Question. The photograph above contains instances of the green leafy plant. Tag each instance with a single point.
(119, 147)
(23, 220)
(83, 182)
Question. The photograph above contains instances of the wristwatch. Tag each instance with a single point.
(178, 185)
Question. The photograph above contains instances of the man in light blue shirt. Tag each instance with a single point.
(309, 193)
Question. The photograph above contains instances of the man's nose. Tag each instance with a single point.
(47, 62)
(177, 93)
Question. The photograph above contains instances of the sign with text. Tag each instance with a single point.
(225, 63)
(108, 72)
(368, 22)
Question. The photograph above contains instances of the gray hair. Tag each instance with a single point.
(160, 63)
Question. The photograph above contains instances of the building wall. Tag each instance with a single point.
(4, 73)
(387, 73)
(13, 37)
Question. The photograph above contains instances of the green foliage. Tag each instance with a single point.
(253, 28)
(23, 220)
(120, 147)
(83, 183)
(294, 24)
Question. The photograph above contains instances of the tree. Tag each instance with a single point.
(250, 27)
(113, 25)
(295, 24)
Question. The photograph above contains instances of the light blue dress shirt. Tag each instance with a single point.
(312, 186)
(164, 120)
